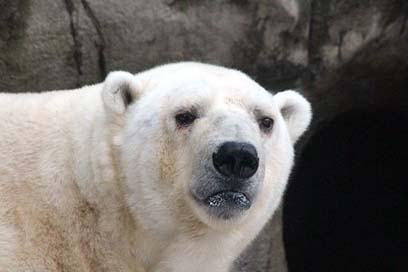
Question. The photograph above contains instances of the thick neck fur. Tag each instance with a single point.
(100, 186)
(66, 210)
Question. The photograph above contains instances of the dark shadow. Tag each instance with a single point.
(346, 207)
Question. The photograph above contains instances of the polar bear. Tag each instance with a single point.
(173, 169)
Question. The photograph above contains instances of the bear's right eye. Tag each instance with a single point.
(185, 118)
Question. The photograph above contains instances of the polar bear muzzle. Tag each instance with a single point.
(230, 185)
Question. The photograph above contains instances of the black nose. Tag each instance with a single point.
(236, 159)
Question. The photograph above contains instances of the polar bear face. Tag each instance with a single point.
(202, 145)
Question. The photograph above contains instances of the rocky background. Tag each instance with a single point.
(341, 54)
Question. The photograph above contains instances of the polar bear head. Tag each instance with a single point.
(201, 145)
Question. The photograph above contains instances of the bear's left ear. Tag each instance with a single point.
(296, 112)
(120, 89)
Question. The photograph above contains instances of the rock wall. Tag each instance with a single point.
(342, 54)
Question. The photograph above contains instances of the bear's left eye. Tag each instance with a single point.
(266, 123)
(185, 118)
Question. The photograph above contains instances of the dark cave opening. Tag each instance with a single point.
(346, 206)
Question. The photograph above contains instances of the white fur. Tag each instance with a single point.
(89, 183)
(296, 112)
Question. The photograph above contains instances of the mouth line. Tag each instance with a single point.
(228, 198)
(226, 192)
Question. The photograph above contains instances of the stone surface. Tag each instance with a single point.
(343, 54)
(267, 252)
(357, 56)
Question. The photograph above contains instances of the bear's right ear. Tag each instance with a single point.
(120, 89)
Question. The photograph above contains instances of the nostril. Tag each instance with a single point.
(248, 166)
(224, 163)
(236, 159)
